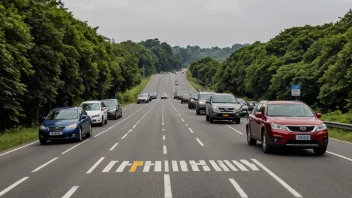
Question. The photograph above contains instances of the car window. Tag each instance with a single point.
(91, 106)
(84, 112)
(109, 103)
(256, 108)
(289, 110)
(204, 96)
(223, 99)
(63, 114)
(262, 109)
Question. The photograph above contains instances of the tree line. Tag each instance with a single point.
(319, 58)
(48, 58)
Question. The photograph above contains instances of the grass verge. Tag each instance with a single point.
(199, 86)
(338, 116)
(340, 134)
(17, 136)
(130, 96)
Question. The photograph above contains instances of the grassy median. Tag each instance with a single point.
(17, 136)
(130, 96)
(199, 86)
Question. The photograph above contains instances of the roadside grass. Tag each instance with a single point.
(17, 136)
(198, 85)
(130, 96)
(338, 116)
(340, 134)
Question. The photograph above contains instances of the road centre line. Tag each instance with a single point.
(346, 158)
(70, 192)
(123, 137)
(234, 130)
(167, 186)
(74, 146)
(18, 148)
(95, 165)
(163, 137)
(42, 166)
(199, 142)
(129, 131)
(182, 120)
(238, 188)
(164, 149)
(186, 124)
(12, 186)
(190, 130)
(112, 148)
(282, 182)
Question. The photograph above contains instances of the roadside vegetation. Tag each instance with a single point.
(130, 96)
(199, 86)
(13, 137)
(340, 134)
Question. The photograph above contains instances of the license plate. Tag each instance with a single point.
(225, 115)
(55, 133)
(302, 137)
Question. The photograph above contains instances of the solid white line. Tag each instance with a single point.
(134, 125)
(164, 149)
(95, 165)
(346, 158)
(199, 142)
(238, 188)
(12, 186)
(234, 129)
(284, 184)
(18, 148)
(107, 129)
(112, 148)
(182, 120)
(70, 192)
(332, 139)
(42, 166)
(74, 146)
(190, 130)
(123, 137)
(163, 137)
(167, 186)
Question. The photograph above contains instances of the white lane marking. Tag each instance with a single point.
(164, 149)
(166, 163)
(163, 137)
(18, 148)
(199, 142)
(234, 129)
(186, 124)
(332, 139)
(184, 166)
(12, 186)
(238, 188)
(250, 165)
(167, 186)
(163, 129)
(179, 115)
(228, 163)
(162, 124)
(134, 125)
(223, 166)
(70, 192)
(95, 165)
(109, 166)
(346, 158)
(201, 163)
(112, 148)
(190, 130)
(74, 146)
(129, 131)
(284, 184)
(239, 165)
(215, 166)
(174, 166)
(42, 166)
(182, 120)
(123, 137)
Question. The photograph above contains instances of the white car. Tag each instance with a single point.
(97, 111)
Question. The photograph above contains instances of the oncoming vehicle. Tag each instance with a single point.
(176, 83)
(192, 101)
(286, 123)
(164, 96)
(143, 98)
(153, 95)
(114, 108)
(97, 111)
(201, 99)
(65, 123)
(222, 107)
(244, 106)
(185, 97)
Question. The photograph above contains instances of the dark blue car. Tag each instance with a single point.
(65, 123)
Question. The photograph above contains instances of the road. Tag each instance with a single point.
(163, 149)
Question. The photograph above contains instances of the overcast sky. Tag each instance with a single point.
(205, 23)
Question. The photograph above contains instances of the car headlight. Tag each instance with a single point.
(238, 108)
(72, 126)
(321, 127)
(111, 110)
(215, 108)
(97, 115)
(43, 127)
(202, 103)
(277, 126)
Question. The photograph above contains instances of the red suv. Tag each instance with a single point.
(286, 123)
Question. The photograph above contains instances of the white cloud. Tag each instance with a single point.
(227, 6)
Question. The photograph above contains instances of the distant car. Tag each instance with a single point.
(97, 111)
(164, 96)
(192, 101)
(114, 108)
(244, 106)
(185, 97)
(251, 105)
(65, 123)
(202, 98)
(176, 83)
(222, 106)
(153, 95)
(149, 96)
(178, 95)
(286, 123)
(143, 98)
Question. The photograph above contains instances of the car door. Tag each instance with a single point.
(254, 122)
(208, 106)
(84, 122)
(119, 108)
(104, 110)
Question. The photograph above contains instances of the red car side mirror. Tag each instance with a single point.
(258, 114)
(318, 115)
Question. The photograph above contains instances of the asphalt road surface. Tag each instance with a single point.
(163, 149)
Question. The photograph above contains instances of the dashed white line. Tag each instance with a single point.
(167, 186)
(123, 137)
(162, 124)
(163, 129)
(18, 148)
(42, 166)
(234, 130)
(129, 131)
(186, 124)
(163, 137)
(182, 120)
(134, 125)
(164, 149)
(282, 182)
(238, 188)
(12, 186)
(95, 165)
(70, 192)
(346, 158)
(112, 148)
(199, 142)
(190, 130)
(74, 146)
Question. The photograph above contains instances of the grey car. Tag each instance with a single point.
(201, 99)
(114, 108)
(192, 102)
(244, 106)
(143, 98)
(223, 107)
